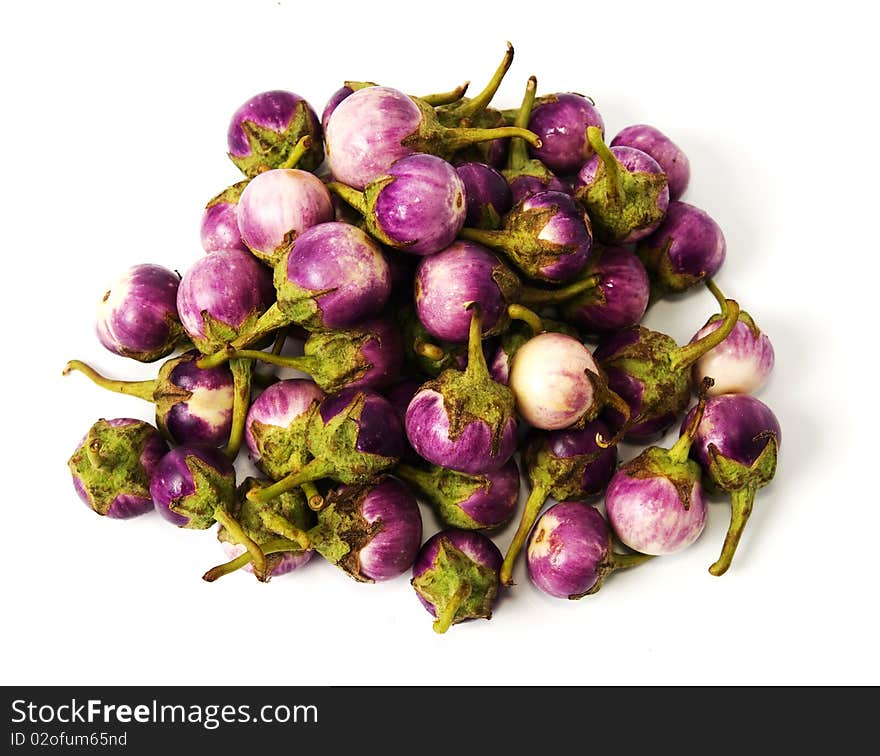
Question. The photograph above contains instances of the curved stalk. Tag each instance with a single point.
(314, 470)
(302, 146)
(275, 546)
(532, 295)
(141, 389)
(518, 154)
(741, 503)
(446, 98)
(612, 166)
(242, 373)
(240, 537)
(480, 102)
(536, 500)
(527, 316)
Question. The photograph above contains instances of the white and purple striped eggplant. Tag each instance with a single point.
(669, 156)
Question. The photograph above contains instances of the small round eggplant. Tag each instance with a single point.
(112, 465)
(669, 156)
(561, 122)
(487, 193)
(624, 190)
(569, 553)
(456, 577)
(219, 229)
(737, 445)
(265, 131)
(137, 316)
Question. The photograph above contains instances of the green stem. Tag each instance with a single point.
(314, 470)
(280, 340)
(518, 153)
(494, 239)
(354, 86)
(685, 356)
(625, 561)
(447, 616)
(527, 316)
(242, 372)
(428, 350)
(741, 502)
(682, 448)
(446, 98)
(419, 479)
(476, 364)
(532, 295)
(536, 500)
(141, 389)
(304, 363)
(351, 196)
(614, 400)
(302, 146)
(313, 495)
(275, 546)
(479, 103)
(269, 321)
(239, 536)
(278, 524)
(612, 166)
(460, 137)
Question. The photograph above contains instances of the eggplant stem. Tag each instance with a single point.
(476, 365)
(313, 495)
(537, 497)
(481, 101)
(314, 470)
(242, 373)
(518, 154)
(239, 536)
(685, 356)
(349, 195)
(141, 389)
(741, 503)
(612, 166)
(447, 616)
(446, 98)
(527, 316)
(460, 136)
(682, 448)
(532, 295)
(428, 350)
(275, 546)
(302, 146)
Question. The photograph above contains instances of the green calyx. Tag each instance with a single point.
(365, 203)
(336, 442)
(342, 531)
(620, 202)
(611, 563)
(168, 394)
(559, 477)
(219, 334)
(212, 491)
(270, 149)
(108, 463)
(664, 278)
(229, 196)
(470, 395)
(445, 490)
(520, 240)
(282, 450)
(420, 349)
(458, 587)
(656, 462)
(297, 305)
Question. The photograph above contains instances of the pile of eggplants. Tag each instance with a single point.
(460, 290)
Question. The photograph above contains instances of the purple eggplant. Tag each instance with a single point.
(112, 465)
(221, 296)
(547, 236)
(219, 229)
(373, 128)
(277, 423)
(371, 531)
(446, 283)
(469, 502)
(278, 206)
(557, 382)
(564, 464)
(194, 487)
(338, 96)
(487, 193)
(418, 206)
(737, 445)
(686, 249)
(561, 122)
(668, 155)
(655, 502)
(653, 374)
(464, 420)
(193, 406)
(354, 435)
(265, 131)
(367, 356)
(527, 176)
(456, 577)
(741, 364)
(624, 190)
(137, 316)
(570, 554)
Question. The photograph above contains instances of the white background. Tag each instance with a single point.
(113, 127)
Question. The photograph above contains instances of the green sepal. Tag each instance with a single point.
(212, 490)
(743, 317)
(414, 332)
(167, 394)
(337, 358)
(647, 360)
(371, 196)
(274, 257)
(481, 151)
(229, 196)
(620, 205)
(342, 530)
(489, 218)
(655, 462)
(219, 334)
(282, 450)
(729, 475)
(444, 490)
(108, 463)
(299, 305)
(291, 505)
(455, 577)
(270, 149)
(336, 443)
